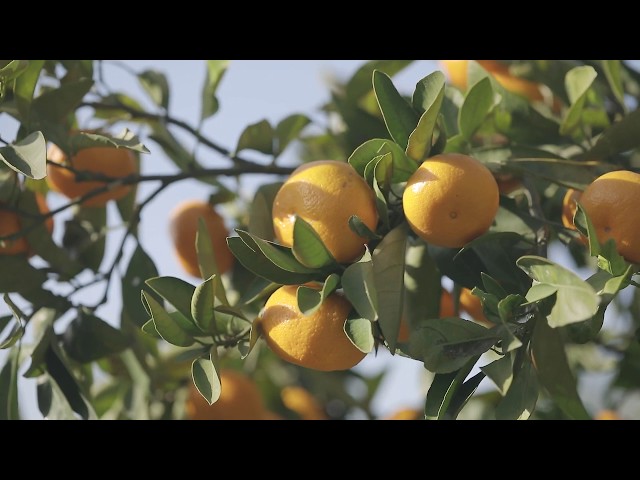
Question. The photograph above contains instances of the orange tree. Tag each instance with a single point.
(417, 207)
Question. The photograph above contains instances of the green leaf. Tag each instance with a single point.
(24, 88)
(156, 85)
(501, 372)
(492, 286)
(360, 83)
(521, 398)
(140, 268)
(28, 156)
(85, 236)
(308, 247)
(358, 283)
(254, 336)
(476, 106)
(279, 255)
(51, 401)
(174, 149)
(576, 299)
(446, 344)
(166, 326)
(125, 139)
(612, 70)
(260, 216)
(309, 299)
(215, 71)
(288, 130)
(443, 388)
(399, 116)
(422, 280)
(60, 372)
(619, 137)
(175, 291)
(578, 81)
(360, 333)
(463, 394)
(203, 303)
(610, 260)
(553, 371)
(150, 329)
(206, 379)
(88, 338)
(258, 136)
(583, 223)
(403, 166)
(13, 69)
(427, 97)
(388, 273)
(55, 105)
(252, 258)
(25, 277)
(9, 388)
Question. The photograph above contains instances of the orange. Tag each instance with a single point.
(450, 200)
(10, 223)
(607, 415)
(611, 202)
(325, 193)
(303, 403)
(183, 226)
(446, 310)
(406, 414)
(473, 306)
(569, 207)
(315, 341)
(111, 162)
(240, 399)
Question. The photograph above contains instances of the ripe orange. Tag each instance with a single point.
(325, 193)
(303, 403)
(473, 306)
(240, 399)
(111, 162)
(450, 200)
(611, 202)
(607, 415)
(569, 207)
(10, 223)
(446, 310)
(457, 73)
(315, 341)
(183, 226)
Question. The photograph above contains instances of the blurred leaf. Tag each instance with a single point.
(492, 286)
(477, 104)
(172, 147)
(422, 279)
(258, 136)
(553, 371)
(251, 257)
(51, 401)
(150, 329)
(174, 290)
(358, 227)
(521, 398)
(450, 110)
(28, 156)
(500, 372)
(60, 372)
(54, 105)
(619, 137)
(463, 394)
(203, 303)
(13, 69)
(140, 268)
(25, 277)
(288, 130)
(85, 236)
(206, 379)
(260, 216)
(446, 344)
(165, 325)
(9, 388)
(360, 83)
(215, 71)
(254, 335)
(427, 97)
(576, 299)
(88, 338)
(24, 88)
(388, 274)
(360, 333)
(125, 139)
(578, 81)
(358, 283)
(156, 85)
(399, 116)
(569, 173)
(310, 299)
(442, 389)
(204, 250)
(308, 247)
